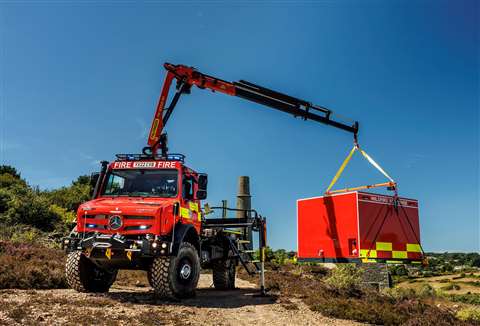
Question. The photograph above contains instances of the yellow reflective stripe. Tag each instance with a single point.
(413, 247)
(193, 206)
(399, 254)
(384, 246)
(184, 212)
(232, 231)
(394, 262)
(340, 170)
(364, 253)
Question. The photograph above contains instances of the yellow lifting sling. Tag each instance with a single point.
(391, 183)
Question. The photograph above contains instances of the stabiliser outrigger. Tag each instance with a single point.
(145, 212)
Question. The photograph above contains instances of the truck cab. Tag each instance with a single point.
(143, 198)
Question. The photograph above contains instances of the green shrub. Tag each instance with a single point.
(426, 291)
(450, 287)
(469, 314)
(345, 277)
(469, 298)
(21, 204)
(400, 294)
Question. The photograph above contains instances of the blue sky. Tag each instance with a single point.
(79, 83)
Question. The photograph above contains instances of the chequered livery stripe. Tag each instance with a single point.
(383, 246)
(384, 250)
(413, 247)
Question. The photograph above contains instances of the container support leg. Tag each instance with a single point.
(263, 242)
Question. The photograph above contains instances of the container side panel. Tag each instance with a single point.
(386, 231)
(327, 227)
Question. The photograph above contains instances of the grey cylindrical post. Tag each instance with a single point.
(244, 201)
(224, 208)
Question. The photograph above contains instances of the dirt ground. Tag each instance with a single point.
(126, 304)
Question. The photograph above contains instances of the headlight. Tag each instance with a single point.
(164, 245)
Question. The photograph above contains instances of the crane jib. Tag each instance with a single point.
(288, 104)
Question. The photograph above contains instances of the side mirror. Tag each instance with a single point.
(202, 182)
(201, 194)
(94, 178)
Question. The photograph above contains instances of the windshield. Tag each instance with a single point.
(142, 183)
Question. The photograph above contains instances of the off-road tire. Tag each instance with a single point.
(165, 273)
(149, 278)
(83, 276)
(224, 271)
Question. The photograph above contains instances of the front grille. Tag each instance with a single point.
(98, 216)
(137, 217)
(93, 222)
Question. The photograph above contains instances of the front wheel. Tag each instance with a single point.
(82, 274)
(176, 276)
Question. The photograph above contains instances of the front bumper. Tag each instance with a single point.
(116, 247)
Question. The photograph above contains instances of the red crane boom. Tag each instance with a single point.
(186, 77)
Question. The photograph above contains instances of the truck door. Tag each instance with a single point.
(190, 206)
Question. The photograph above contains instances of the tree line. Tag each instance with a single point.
(46, 210)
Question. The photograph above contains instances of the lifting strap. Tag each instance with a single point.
(355, 148)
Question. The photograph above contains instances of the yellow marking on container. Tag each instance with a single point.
(368, 253)
(129, 255)
(383, 246)
(108, 253)
(399, 255)
(413, 247)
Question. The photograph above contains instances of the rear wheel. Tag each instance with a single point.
(224, 274)
(84, 276)
(176, 276)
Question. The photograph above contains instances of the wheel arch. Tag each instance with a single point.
(185, 233)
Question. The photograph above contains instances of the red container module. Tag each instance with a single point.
(358, 226)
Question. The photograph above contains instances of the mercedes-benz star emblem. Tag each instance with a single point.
(115, 222)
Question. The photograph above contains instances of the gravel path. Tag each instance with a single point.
(125, 305)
